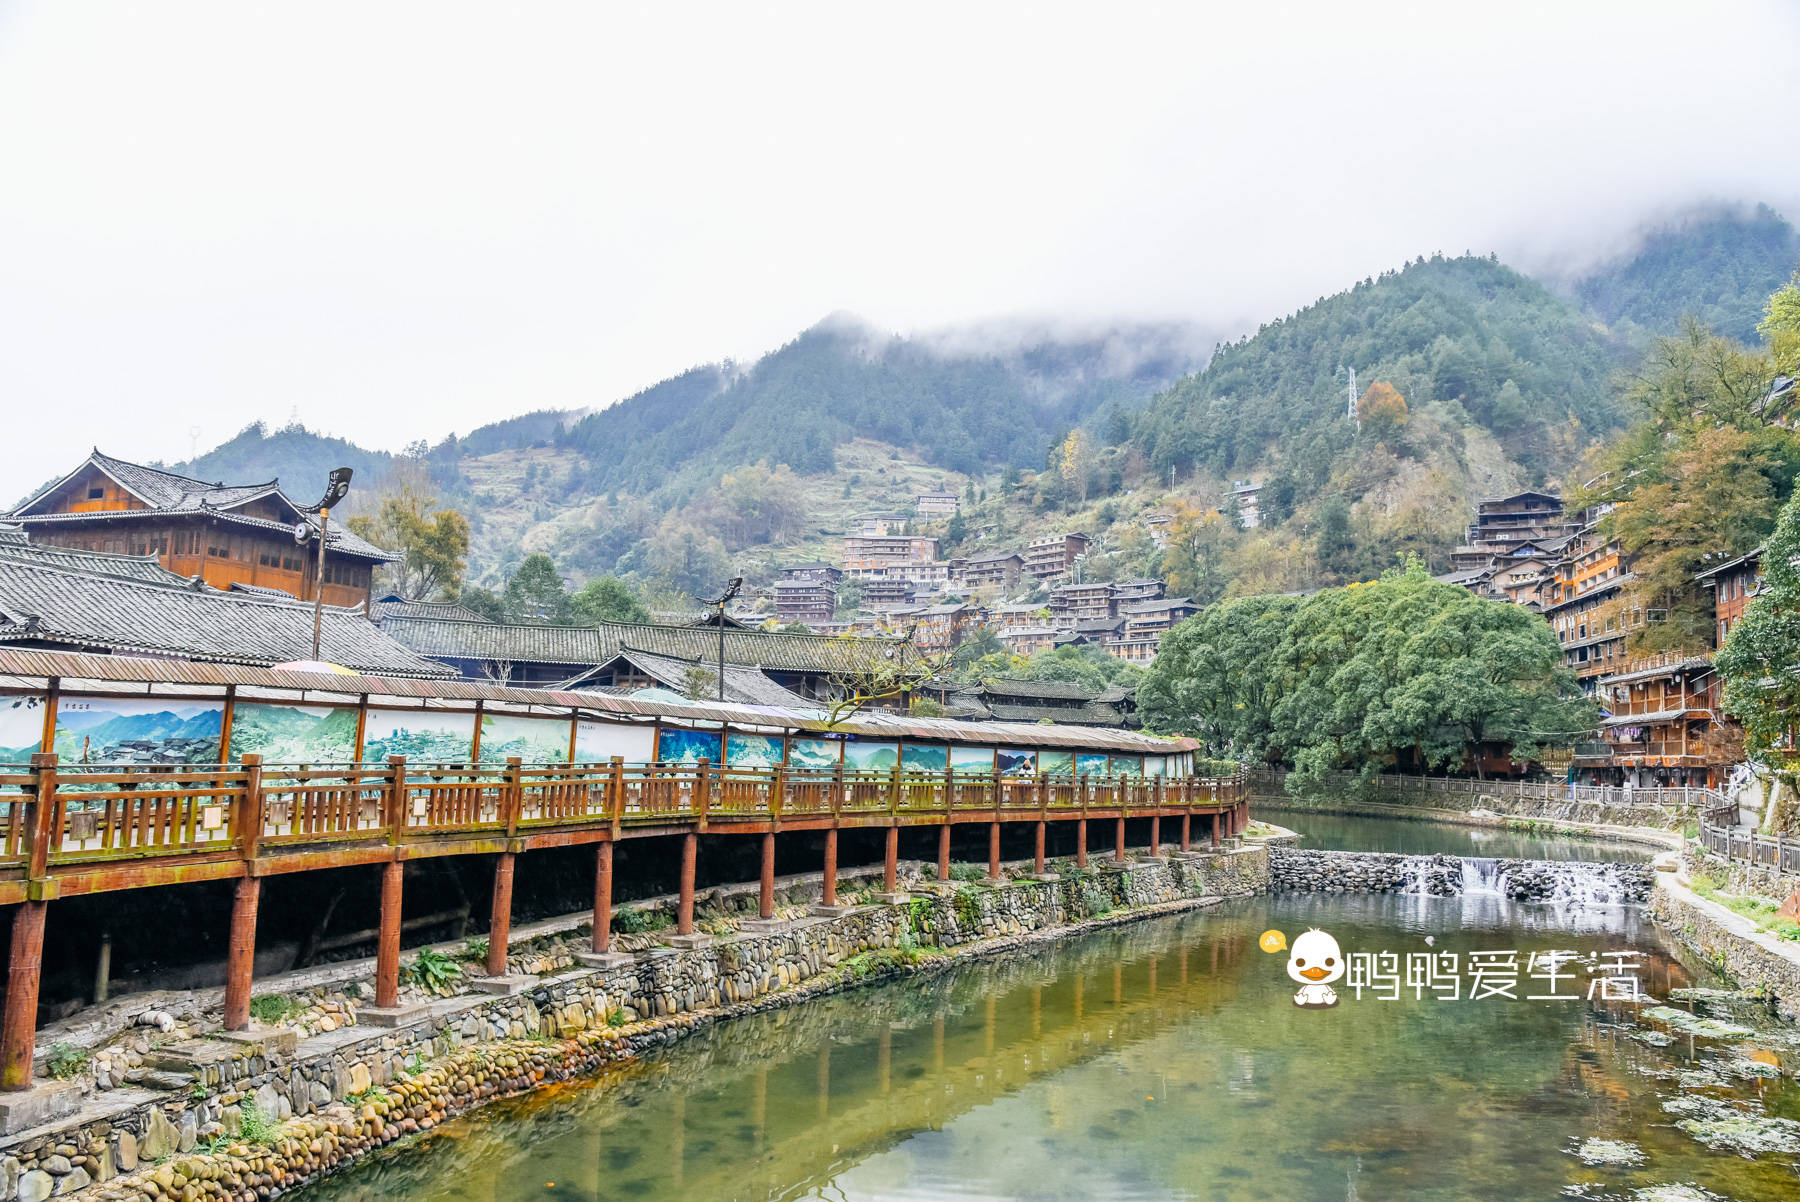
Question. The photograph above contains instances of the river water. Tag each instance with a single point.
(1350, 833)
(1160, 1060)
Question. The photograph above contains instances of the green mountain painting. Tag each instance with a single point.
(812, 753)
(752, 751)
(294, 734)
(533, 740)
(871, 757)
(138, 730)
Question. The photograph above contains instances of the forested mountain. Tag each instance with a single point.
(1719, 265)
(1496, 349)
(961, 405)
(297, 456)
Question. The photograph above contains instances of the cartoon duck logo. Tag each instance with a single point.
(1315, 961)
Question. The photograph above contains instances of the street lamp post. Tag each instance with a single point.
(337, 486)
(731, 590)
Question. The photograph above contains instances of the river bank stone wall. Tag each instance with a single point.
(1458, 806)
(1753, 959)
(255, 1120)
(1298, 870)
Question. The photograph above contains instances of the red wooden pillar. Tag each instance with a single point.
(1081, 843)
(944, 851)
(1037, 855)
(1155, 835)
(684, 910)
(993, 851)
(1187, 823)
(829, 896)
(500, 916)
(765, 902)
(890, 869)
(240, 956)
(1119, 839)
(603, 868)
(1214, 820)
(387, 948)
(18, 1035)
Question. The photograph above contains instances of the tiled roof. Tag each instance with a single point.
(1006, 687)
(589, 645)
(1156, 607)
(338, 539)
(406, 607)
(168, 492)
(128, 567)
(747, 686)
(41, 603)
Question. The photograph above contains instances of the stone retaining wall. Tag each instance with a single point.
(1731, 943)
(1735, 876)
(1442, 805)
(343, 1092)
(1293, 870)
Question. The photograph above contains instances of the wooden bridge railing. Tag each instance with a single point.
(71, 815)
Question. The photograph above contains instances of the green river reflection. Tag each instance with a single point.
(1159, 1060)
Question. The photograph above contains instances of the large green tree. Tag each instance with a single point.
(608, 599)
(1399, 672)
(535, 594)
(1760, 661)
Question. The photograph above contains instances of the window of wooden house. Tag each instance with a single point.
(96, 493)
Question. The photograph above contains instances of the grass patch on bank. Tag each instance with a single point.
(1759, 910)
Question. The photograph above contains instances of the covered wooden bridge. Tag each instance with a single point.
(141, 772)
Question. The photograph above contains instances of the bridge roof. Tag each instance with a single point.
(22, 669)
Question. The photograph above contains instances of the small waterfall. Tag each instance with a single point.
(1434, 876)
(1481, 877)
(1574, 884)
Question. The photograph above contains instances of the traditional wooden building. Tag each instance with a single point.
(1052, 558)
(239, 534)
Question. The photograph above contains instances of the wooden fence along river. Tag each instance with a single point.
(97, 828)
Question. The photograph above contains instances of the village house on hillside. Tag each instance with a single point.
(227, 535)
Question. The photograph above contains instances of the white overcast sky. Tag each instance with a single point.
(401, 220)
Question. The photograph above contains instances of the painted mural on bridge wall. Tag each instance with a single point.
(871, 757)
(428, 736)
(21, 727)
(752, 751)
(138, 730)
(533, 740)
(294, 734)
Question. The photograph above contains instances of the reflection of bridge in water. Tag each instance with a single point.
(778, 1104)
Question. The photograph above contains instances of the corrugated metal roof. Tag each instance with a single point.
(42, 665)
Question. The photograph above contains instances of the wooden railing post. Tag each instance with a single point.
(250, 814)
(616, 784)
(512, 794)
(702, 794)
(396, 799)
(40, 817)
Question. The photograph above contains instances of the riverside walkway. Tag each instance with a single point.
(69, 829)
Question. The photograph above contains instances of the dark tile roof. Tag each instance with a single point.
(1156, 607)
(590, 645)
(42, 604)
(748, 686)
(126, 567)
(169, 493)
(392, 606)
(1009, 687)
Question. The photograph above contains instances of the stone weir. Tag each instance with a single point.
(1294, 870)
(254, 1115)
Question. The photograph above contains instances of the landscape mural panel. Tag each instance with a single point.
(1128, 765)
(1056, 763)
(294, 734)
(599, 742)
(21, 727)
(871, 757)
(812, 753)
(138, 730)
(679, 746)
(1090, 765)
(972, 761)
(533, 740)
(1016, 762)
(923, 760)
(752, 751)
(424, 736)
